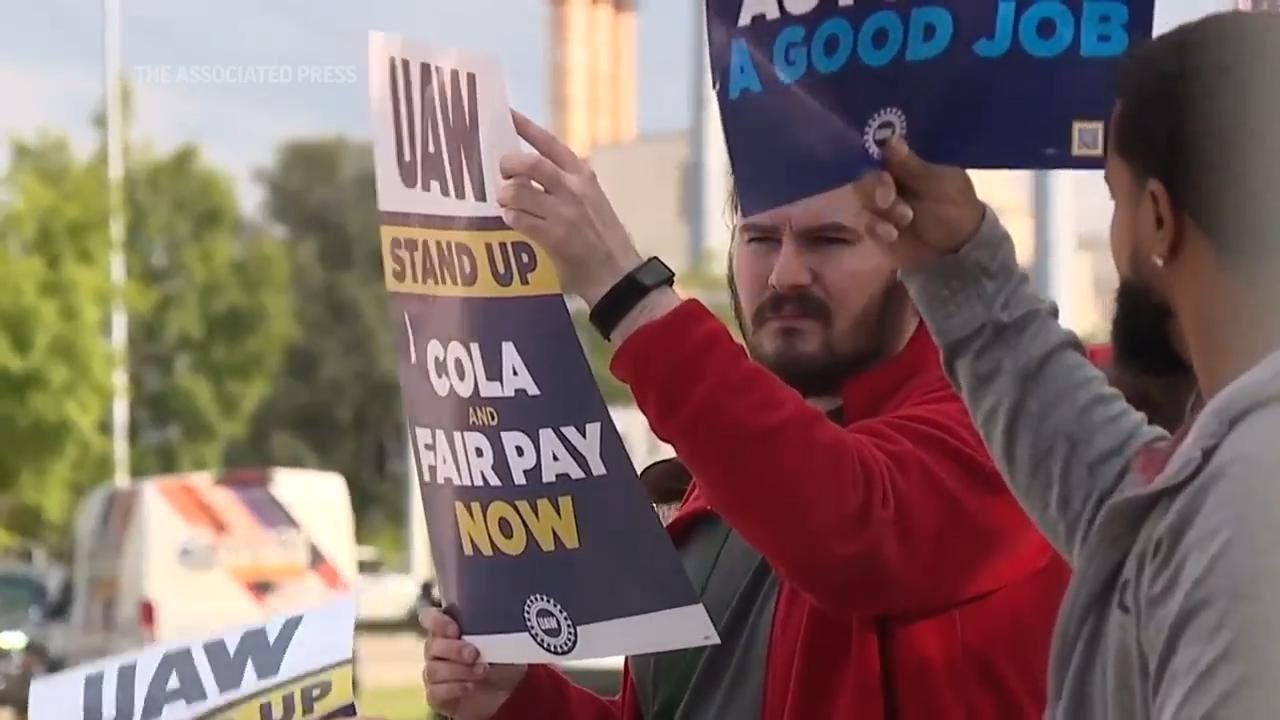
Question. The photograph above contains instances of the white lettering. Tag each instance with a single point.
(426, 458)
(446, 466)
(480, 458)
(556, 459)
(588, 444)
(515, 376)
(460, 369)
(461, 374)
(799, 7)
(752, 9)
(435, 357)
(521, 455)
(488, 388)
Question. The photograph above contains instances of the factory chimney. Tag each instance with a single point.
(624, 71)
(593, 72)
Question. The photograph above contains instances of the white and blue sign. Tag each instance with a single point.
(810, 90)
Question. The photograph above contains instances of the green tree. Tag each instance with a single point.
(336, 403)
(54, 362)
(211, 313)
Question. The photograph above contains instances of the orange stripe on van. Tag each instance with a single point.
(186, 500)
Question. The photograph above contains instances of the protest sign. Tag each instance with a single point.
(296, 667)
(810, 90)
(542, 536)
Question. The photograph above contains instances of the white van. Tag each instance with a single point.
(177, 556)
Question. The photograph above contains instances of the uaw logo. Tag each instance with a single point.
(549, 625)
(884, 124)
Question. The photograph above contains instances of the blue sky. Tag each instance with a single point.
(51, 69)
(51, 72)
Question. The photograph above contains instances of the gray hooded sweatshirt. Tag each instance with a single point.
(1174, 607)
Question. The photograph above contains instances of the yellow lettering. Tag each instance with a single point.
(482, 416)
(548, 522)
(507, 526)
(514, 542)
(471, 528)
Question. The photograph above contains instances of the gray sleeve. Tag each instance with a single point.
(1210, 631)
(1058, 431)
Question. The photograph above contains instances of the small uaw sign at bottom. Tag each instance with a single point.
(296, 667)
(542, 536)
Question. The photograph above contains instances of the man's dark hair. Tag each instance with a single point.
(1199, 111)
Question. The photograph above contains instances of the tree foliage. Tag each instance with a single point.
(211, 313)
(54, 366)
(336, 403)
(210, 317)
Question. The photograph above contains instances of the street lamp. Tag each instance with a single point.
(113, 128)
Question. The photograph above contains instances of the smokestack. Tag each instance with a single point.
(624, 69)
(602, 72)
(571, 79)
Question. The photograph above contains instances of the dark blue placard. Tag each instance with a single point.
(607, 578)
(810, 89)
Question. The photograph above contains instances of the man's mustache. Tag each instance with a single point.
(804, 305)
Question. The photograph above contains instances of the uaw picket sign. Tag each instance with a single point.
(542, 536)
(810, 90)
(296, 667)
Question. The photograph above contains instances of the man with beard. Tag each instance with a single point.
(1163, 391)
(847, 531)
(1172, 608)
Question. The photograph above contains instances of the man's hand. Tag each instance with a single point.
(459, 683)
(921, 211)
(566, 213)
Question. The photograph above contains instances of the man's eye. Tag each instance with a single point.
(756, 239)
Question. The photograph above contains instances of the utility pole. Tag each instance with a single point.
(1054, 268)
(115, 225)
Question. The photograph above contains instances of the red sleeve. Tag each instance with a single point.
(899, 514)
(546, 694)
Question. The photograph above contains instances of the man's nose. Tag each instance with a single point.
(791, 269)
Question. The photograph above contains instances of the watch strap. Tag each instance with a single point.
(625, 294)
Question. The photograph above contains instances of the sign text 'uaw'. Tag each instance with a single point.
(297, 667)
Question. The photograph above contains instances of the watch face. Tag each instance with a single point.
(653, 273)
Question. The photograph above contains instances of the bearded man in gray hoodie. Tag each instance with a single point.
(1174, 607)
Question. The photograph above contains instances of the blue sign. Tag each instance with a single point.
(810, 90)
(545, 544)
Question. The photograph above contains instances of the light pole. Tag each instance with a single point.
(113, 128)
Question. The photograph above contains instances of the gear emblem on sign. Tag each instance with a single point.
(884, 124)
(549, 625)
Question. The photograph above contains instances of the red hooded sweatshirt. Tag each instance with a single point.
(912, 585)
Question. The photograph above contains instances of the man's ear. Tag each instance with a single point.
(1165, 221)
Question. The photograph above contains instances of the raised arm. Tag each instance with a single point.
(1062, 436)
(893, 515)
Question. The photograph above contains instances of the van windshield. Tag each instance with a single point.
(19, 592)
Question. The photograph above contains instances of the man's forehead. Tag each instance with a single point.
(840, 205)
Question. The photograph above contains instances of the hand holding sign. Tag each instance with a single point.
(459, 683)
(569, 215)
(810, 91)
(922, 211)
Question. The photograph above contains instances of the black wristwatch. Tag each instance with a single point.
(625, 294)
